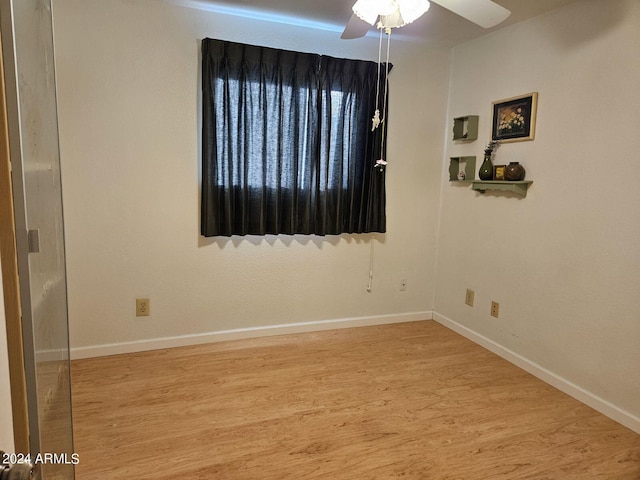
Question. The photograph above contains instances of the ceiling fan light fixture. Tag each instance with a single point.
(393, 13)
(394, 20)
(411, 10)
(369, 10)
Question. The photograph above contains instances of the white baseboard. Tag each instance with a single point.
(606, 408)
(242, 333)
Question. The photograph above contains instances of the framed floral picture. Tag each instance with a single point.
(514, 119)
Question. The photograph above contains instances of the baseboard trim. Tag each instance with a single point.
(588, 398)
(243, 333)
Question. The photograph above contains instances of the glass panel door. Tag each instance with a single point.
(27, 38)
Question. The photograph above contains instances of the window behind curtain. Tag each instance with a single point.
(287, 143)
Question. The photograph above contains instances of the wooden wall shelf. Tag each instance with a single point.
(464, 164)
(519, 188)
(465, 128)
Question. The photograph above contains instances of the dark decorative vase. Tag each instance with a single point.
(486, 169)
(514, 172)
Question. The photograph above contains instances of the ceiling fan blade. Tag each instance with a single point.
(485, 13)
(356, 28)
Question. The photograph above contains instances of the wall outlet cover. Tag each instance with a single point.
(469, 297)
(143, 307)
(495, 309)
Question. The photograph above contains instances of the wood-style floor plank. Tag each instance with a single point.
(409, 401)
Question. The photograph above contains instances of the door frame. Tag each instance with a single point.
(10, 281)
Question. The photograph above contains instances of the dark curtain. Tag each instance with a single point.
(287, 146)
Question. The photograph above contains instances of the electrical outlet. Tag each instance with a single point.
(495, 309)
(143, 307)
(403, 284)
(468, 299)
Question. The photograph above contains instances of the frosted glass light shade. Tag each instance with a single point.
(394, 13)
(412, 9)
(369, 10)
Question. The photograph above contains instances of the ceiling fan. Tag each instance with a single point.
(397, 13)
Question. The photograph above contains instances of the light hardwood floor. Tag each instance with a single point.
(410, 401)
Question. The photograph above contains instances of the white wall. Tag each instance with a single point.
(563, 263)
(6, 415)
(128, 79)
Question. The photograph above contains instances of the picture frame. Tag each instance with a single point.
(498, 172)
(514, 119)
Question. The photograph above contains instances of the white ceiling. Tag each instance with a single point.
(438, 26)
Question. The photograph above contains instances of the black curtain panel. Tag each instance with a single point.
(287, 144)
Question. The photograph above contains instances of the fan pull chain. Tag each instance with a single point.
(375, 121)
(381, 163)
(370, 285)
(386, 90)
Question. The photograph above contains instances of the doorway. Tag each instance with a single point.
(37, 319)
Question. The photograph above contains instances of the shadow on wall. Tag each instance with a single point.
(592, 18)
(287, 240)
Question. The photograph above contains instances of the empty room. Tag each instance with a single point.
(286, 254)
